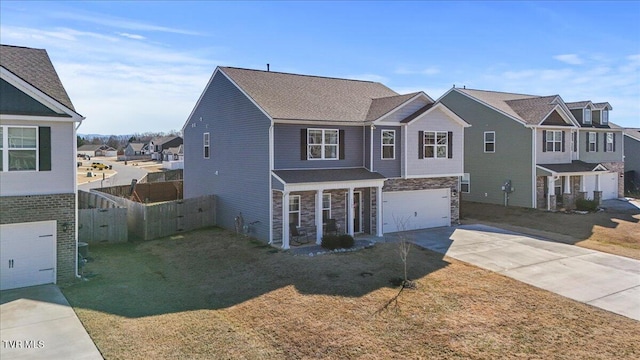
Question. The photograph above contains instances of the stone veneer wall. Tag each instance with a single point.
(426, 184)
(541, 199)
(59, 207)
(619, 168)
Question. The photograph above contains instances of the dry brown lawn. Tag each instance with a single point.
(613, 230)
(210, 294)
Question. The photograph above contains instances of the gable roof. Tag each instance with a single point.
(34, 67)
(578, 104)
(287, 96)
(497, 100)
(533, 110)
(163, 139)
(382, 106)
(603, 105)
(137, 146)
(174, 150)
(94, 147)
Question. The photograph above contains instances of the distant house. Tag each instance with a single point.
(97, 150)
(632, 160)
(173, 158)
(158, 144)
(38, 227)
(537, 151)
(292, 151)
(136, 151)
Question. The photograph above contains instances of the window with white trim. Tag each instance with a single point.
(206, 145)
(388, 144)
(322, 144)
(592, 141)
(587, 115)
(604, 117)
(465, 183)
(609, 143)
(554, 141)
(435, 144)
(326, 207)
(294, 210)
(489, 141)
(18, 148)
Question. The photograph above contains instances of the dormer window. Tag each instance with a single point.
(605, 116)
(587, 116)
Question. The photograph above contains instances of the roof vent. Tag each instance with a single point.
(267, 67)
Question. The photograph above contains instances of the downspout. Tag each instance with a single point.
(271, 165)
(75, 191)
(371, 145)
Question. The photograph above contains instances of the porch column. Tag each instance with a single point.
(567, 184)
(598, 182)
(285, 220)
(319, 228)
(350, 211)
(583, 183)
(597, 193)
(551, 193)
(379, 211)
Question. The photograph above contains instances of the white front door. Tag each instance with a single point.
(357, 212)
(609, 186)
(27, 254)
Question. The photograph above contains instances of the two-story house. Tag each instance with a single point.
(537, 151)
(38, 237)
(288, 149)
(158, 144)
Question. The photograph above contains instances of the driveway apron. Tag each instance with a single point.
(603, 280)
(38, 323)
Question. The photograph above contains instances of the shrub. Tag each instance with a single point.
(586, 205)
(346, 241)
(330, 242)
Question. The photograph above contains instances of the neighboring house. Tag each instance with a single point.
(632, 160)
(173, 158)
(136, 150)
(158, 144)
(38, 231)
(97, 150)
(537, 151)
(294, 149)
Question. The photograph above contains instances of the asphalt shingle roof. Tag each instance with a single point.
(497, 99)
(577, 104)
(305, 97)
(326, 175)
(573, 167)
(35, 67)
(532, 110)
(382, 106)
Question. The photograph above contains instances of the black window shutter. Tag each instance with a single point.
(604, 143)
(303, 144)
(544, 140)
(420, 144)
(597, 141)
(450, 144)
(588, 136)
(341, 142)
(44, 148)
(614, 141)
(575, 141)
(563, 141)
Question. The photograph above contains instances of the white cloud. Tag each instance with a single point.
(571, 59)
(432, 70)
(132, 36)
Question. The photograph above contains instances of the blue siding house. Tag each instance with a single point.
(297, 151)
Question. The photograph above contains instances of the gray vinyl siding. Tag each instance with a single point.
(14, 101)
(287, 148)
(388, 168)
(406, 110)
(366, 147)
(511, 160)
(237, 171)
(577, 113)
(600, 155)
(553, 157)
(632, 158)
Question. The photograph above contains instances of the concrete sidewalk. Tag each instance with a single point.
(38, 323)
(603, 280)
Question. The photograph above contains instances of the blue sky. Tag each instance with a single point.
(141, 66)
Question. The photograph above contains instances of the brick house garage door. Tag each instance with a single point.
(421, 209)
(27, 254)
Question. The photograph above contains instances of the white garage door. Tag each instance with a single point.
(417, 209)
(27, 254)
(609, 186)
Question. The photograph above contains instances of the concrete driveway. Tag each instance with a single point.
(38, 323)
(603, 280)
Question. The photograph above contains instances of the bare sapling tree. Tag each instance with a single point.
(404, 246)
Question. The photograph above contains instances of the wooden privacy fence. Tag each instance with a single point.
(154, 220)
(100, 219)
(98, 225)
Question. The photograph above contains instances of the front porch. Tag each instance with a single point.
(560, 186)
(312, 199)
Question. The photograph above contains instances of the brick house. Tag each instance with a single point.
(38, 195)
